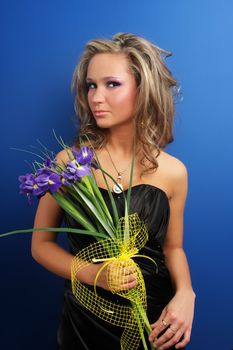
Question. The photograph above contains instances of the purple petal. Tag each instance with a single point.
(68, 178)
(43, 171)
(40, 191)
(84, 155)
(72, 167)
(54, 182)
(48, 163)
(26, 183)
(83, 170)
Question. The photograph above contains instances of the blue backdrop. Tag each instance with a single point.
(40, 44)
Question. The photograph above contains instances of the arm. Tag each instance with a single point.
(179, 312)
(173, 248)
(44, 248)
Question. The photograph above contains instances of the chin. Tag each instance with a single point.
(104, 124)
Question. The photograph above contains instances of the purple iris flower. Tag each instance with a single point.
(68, 177)
(84, 155)
(72, 167)
(83, 170)
(27, 186)
(75, 171)
(46, 180)
(27, 183)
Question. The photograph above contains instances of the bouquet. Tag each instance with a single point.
(118, 240)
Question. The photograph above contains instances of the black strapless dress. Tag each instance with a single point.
(79, 329)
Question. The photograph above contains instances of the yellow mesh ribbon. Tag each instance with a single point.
(117, 257)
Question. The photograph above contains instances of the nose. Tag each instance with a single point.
(98, 95)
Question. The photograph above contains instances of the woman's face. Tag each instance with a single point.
(112, 90)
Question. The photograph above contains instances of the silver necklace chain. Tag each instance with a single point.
(117, 188)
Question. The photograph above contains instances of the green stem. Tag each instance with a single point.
(65, 204)
(78, 201)
(113, 204)
(140, 325)
(98, 194)
(97, 204)
(90, 205)
(52, 229)
(131, 178)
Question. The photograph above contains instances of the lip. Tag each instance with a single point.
(100, 112)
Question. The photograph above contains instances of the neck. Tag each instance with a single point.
(121, 140)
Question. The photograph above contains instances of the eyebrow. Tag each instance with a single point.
(104, 78)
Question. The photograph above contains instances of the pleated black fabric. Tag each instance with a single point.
(79, 329)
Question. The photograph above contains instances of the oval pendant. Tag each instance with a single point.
(117, 188)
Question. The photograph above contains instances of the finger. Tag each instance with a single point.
(123, 283)
(117, 271)
(130, 285)
(165, 338)
(129, 270)
(129, 278)
(162, 317)
(165, 342)
(126, 286)
(124, 280)
(158, 328)
(185, 340)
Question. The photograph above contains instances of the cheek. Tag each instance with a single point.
(89, 98)
(124, 98)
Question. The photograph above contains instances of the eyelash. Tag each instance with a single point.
(115, 84)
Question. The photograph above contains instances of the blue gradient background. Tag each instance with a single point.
(40, 44)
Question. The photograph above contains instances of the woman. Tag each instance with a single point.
(124, 94)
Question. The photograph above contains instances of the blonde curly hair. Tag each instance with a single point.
(154, 110)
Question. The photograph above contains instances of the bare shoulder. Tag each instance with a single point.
(175, 172)
(172, 165)
(64, 156)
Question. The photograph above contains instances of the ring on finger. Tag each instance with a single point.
(164, 323)
(173, 330)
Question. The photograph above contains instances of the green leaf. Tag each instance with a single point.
(69, 208)
(73, 192)
(113, 204)
(140, 324)
(97, 235)
(87, 183)
(90, 194)
(89, 213)
(90, 205)
(98, 194)
(131, 178)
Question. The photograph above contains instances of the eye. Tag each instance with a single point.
(113, 84)
(90, 86)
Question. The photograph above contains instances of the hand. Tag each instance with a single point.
(117, 276)
(175, 321)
